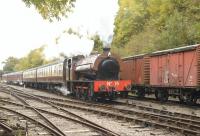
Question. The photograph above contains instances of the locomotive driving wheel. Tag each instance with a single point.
(85, 95)
(78, 94)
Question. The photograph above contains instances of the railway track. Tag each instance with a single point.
(157, 120)
(147, 110)
(183, 123)
(123, 127)
(6, 129)
(101, 130)
(171, 101)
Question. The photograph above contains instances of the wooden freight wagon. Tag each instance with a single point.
(136, 69)
(176, 72)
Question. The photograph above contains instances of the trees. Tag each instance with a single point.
(50, 9)
(143, 26)
(9, 64)
(33, 59)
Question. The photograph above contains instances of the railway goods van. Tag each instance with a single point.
(174, 72)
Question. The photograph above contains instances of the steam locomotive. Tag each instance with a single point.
(94, 77)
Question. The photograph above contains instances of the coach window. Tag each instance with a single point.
(56, 70)
(52, 70)
(59, 70)
(49, 70)
(45, 73)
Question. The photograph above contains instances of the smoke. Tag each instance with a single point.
(63, 90)
(87, 19)
(69, 45)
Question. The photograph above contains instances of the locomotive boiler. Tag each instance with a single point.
(99, 67)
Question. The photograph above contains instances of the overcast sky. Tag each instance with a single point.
(23, 29)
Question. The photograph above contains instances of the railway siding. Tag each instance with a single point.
(102, 117)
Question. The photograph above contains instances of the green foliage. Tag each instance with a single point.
(9, 64)
(143, 26)
(50, 9)
(98, 43)
(33, 59)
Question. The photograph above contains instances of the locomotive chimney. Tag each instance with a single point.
(106, 49)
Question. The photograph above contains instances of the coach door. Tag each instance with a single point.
(69, 66)
(65, 71)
